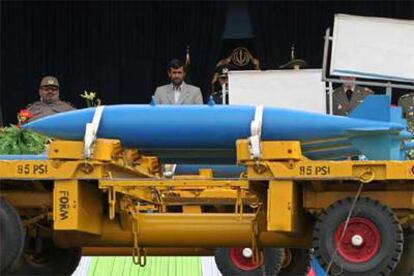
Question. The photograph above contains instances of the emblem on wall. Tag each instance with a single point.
(239, 59)
(240, 56)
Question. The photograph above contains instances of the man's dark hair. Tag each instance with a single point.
(175, 64)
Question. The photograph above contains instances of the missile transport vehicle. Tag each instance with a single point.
(109, 185)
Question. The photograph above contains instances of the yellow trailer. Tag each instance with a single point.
(356, 216)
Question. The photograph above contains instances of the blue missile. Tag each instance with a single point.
(207, 133)
(23, 157)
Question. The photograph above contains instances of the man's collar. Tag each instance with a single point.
(349, 87)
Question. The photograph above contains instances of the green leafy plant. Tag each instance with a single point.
(14, 140)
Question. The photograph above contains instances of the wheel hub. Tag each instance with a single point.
(242, 259)
(247, 252)
(361, 241)
(357, 240)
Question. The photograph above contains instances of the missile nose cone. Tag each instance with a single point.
(33, 125)
(65, 125)
(41, 126)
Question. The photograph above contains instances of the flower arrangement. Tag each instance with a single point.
(15, 140)
(90, 98)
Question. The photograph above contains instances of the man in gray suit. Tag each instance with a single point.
(177, 92)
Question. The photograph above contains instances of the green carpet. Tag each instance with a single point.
(156, 266)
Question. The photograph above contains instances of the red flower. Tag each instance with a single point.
(25, 113)
(23, 116)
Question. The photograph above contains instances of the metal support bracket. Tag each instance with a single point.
(238, 208)
(111, 199)
(257, 256)
(35, 219)
(139, 254)
(256, 133)
(91, 132)
(111, 202)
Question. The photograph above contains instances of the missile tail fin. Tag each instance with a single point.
(378, 108)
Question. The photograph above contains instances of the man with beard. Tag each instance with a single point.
(177, 92)
(50, 102)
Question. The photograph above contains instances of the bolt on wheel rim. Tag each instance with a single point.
(238, 258)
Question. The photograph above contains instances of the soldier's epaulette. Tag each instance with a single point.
(405, 95)
(337, 90)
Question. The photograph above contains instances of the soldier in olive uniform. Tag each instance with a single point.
(50, 102)
(221, 74)
(407, 103)
(348, 96)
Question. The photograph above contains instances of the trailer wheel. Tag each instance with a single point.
(273, 260)
(406, 264)
(11, 236)
(51, 261)
(238, 261)
(371, 245)
(296, 262)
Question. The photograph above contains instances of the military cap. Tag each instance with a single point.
(49, 81)
(222, 70)
(294, 63)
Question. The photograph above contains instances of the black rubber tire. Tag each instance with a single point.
(52, 261)
(273, 258)
(389, 251)
(11, 236)
(299, 264)
(406, 265)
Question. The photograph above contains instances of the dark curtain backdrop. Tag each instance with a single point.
(279, 24)
(118, 49)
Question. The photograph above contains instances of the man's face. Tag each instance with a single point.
(176, 75)
(349, 80)
(49, 93)
(223, 80)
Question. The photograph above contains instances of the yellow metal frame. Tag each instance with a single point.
(284, 160)
(282, 207)
(77, 207)
(266, 206)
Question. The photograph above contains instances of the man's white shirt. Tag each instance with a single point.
(177, 92)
